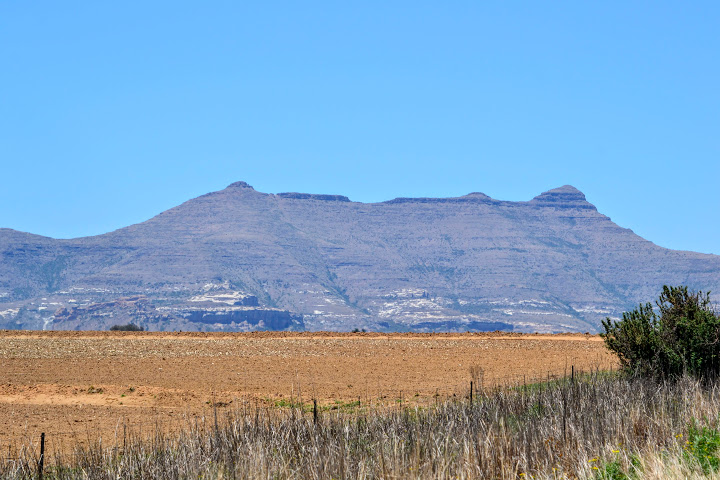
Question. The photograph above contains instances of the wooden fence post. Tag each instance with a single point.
(41, 463)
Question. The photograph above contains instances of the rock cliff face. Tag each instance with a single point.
(239, 259)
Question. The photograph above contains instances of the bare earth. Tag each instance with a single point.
(80, 386)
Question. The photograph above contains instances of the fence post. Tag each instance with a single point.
(41, 463)
(315, 411)
(564, 419)
(217, 430)
(471, 391)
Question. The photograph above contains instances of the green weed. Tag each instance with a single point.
(702, 447)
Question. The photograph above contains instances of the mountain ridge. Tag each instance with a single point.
(322, 261)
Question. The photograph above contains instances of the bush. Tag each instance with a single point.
(683, 336)
(130, 327)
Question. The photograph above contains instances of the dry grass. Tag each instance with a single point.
(560, 429)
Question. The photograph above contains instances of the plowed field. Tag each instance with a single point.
(79, 386)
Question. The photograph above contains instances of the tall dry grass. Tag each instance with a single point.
(560, 429)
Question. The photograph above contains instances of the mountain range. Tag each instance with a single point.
(239, 259)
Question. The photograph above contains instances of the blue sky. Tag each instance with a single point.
(111, 112)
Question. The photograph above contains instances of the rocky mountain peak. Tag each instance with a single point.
(566, 196)
(240, 185)
(477, 196)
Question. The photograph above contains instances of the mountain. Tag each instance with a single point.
(239, 259)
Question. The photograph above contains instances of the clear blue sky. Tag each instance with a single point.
(111, 112)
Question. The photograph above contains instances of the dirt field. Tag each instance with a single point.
(79, 386)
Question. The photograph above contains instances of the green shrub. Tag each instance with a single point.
(682, 336)
(130, 327)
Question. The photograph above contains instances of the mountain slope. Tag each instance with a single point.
(323, 262)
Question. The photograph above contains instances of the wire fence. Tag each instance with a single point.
(54, 441)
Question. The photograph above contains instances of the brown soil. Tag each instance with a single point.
(80, 386)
